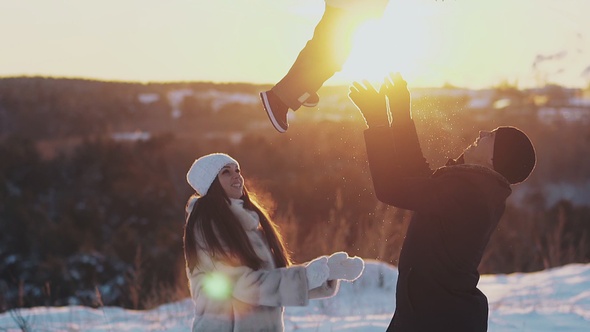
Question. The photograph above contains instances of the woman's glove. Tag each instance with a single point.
(317, 272)
(343, 267)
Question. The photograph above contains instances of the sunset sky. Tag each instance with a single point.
(470, 43)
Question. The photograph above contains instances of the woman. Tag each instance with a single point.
(240, 273)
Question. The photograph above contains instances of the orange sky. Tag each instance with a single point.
(472, 43)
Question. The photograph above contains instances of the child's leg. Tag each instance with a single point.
(323, 55)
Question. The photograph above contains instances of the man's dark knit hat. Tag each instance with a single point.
(514, 154)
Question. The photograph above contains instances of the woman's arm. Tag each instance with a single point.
(276, 287)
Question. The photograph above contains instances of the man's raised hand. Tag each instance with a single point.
(370, 102)
(396, 89)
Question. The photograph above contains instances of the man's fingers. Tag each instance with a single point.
(390, 78)
(398, 79)
(358, 86)
(387, 84)
(368, 85)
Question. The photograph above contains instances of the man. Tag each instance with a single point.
(456, 209)
(323, 56)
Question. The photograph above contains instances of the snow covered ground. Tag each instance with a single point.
(552, 300)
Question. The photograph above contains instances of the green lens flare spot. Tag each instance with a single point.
(217, 286)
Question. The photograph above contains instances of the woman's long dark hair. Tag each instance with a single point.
(212, 218)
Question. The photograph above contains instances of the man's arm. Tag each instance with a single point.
(407, 145)
(371, 103)
(399, 171)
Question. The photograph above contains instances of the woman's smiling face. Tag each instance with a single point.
(231, 181)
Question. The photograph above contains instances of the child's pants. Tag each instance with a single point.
(323, 55)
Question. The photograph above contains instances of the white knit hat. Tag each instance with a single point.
(205, 169)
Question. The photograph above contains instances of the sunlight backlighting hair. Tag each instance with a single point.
(217, 286)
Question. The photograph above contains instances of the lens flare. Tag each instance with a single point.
(217, 286)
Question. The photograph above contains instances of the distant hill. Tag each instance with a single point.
(93, 188)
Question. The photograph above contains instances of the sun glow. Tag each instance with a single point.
(400, 42)
(474, 44)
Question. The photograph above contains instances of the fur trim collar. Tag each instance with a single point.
(248, 218)
(251, 224)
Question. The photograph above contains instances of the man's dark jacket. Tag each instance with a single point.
(456, 209)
